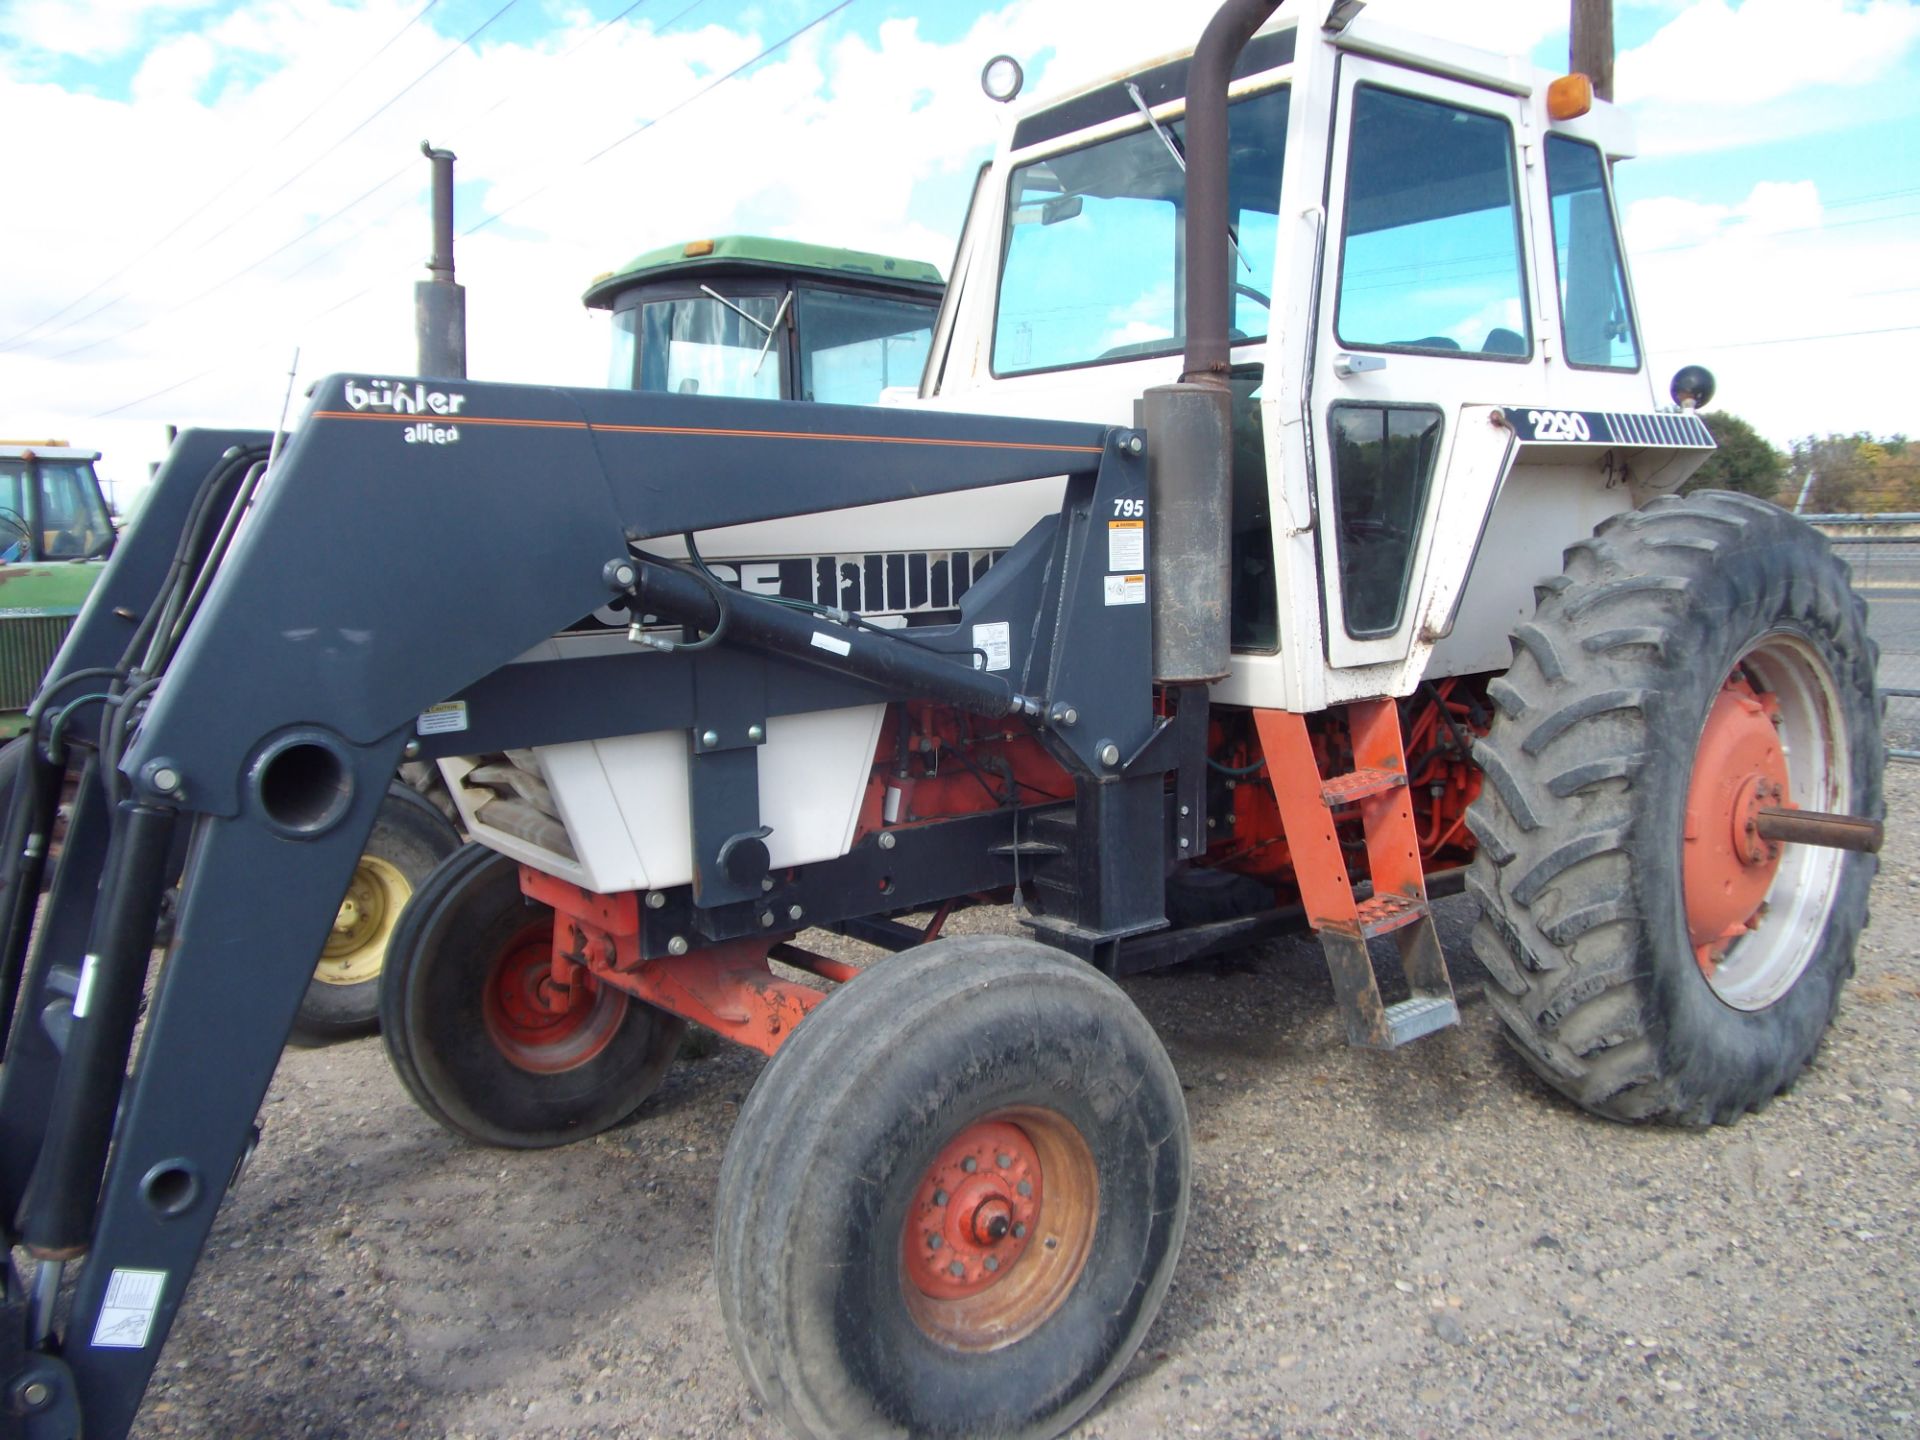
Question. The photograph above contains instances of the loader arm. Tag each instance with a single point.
(381, 571)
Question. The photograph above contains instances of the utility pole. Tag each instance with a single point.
(1593, 44)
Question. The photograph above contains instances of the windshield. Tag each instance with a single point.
(1093, 268)
(698, 346)
(72, 517)
(854, 346)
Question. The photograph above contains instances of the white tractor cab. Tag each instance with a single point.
(1435, 349)
(1429, 309)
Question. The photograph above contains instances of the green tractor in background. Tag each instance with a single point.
(55, 536)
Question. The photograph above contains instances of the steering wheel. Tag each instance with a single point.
(1264, 301)
(16, 537)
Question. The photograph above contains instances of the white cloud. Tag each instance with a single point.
(1724, 284)
(1718, 54)
(89, 29)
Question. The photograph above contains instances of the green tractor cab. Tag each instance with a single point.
(754, 318)
(55, 536)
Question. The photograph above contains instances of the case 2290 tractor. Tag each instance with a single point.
(1270, 381)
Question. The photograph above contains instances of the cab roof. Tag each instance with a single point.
(744, 254)
(44, 450)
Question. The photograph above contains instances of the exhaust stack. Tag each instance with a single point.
(440, 304)
(1190, 424)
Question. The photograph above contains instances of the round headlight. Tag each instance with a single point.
(1693, 388)
(1002, 78)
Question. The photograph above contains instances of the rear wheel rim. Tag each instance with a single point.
(533, 1028)
(356, 948)
(1791, 887)
(999, 1228)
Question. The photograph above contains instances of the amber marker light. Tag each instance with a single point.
(697, 248)
(1569, 97)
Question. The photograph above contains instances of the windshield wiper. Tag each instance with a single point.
(756, 321)
(1180, 159)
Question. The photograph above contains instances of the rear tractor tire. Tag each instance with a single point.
(1653, 958)
(410, 836)
(953, 1202)
(472, 1032)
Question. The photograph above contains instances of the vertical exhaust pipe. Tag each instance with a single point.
(1190, 424)
(440, 304)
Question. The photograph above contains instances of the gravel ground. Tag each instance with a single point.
(1414, 1244)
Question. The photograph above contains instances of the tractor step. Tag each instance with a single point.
(1398, 905)
(1360, 785)
(1422, 1015)
(1384, 914)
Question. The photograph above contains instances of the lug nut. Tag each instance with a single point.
(1005, 1162)
(1020, 1232)
(939, 1197)
(1025, 1187)
(933, 1242)
(969, 1164)
(993, 1262)
(956, 1269)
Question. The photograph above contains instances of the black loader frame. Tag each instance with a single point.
(345, 637)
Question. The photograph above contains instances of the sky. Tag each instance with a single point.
(197, 190)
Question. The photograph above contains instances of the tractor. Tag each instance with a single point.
(1284, 533)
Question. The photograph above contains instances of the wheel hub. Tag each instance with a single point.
(1739, 769)
(356, 946)
(974, 1211)
(535, 1024)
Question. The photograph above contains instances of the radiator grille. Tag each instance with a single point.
(28, 644)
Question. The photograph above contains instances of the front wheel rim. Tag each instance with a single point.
(532, 1028)
(999, 1229)
(1779, 936)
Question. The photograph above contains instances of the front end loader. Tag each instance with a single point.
(1344, 568)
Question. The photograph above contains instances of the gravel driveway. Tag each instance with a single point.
(1414, 1244)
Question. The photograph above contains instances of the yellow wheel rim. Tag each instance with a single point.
(357, 947)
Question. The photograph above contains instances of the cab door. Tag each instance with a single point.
(1424, 308)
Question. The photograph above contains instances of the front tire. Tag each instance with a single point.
(953, 1202)
(1651, 959)
(473, 1040)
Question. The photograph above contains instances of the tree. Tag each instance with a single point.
(1744, 461)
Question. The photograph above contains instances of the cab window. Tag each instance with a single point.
(854, 346)
(697, 346)
(1430, 259)
(1093, 265)
(1594, 315)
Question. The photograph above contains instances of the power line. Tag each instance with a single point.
(672, 110)
(488, 220)
(1784, 340)
(244, 213)
(217, 195)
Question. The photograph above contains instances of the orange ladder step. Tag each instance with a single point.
(1397, 905)
(1360, 785)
